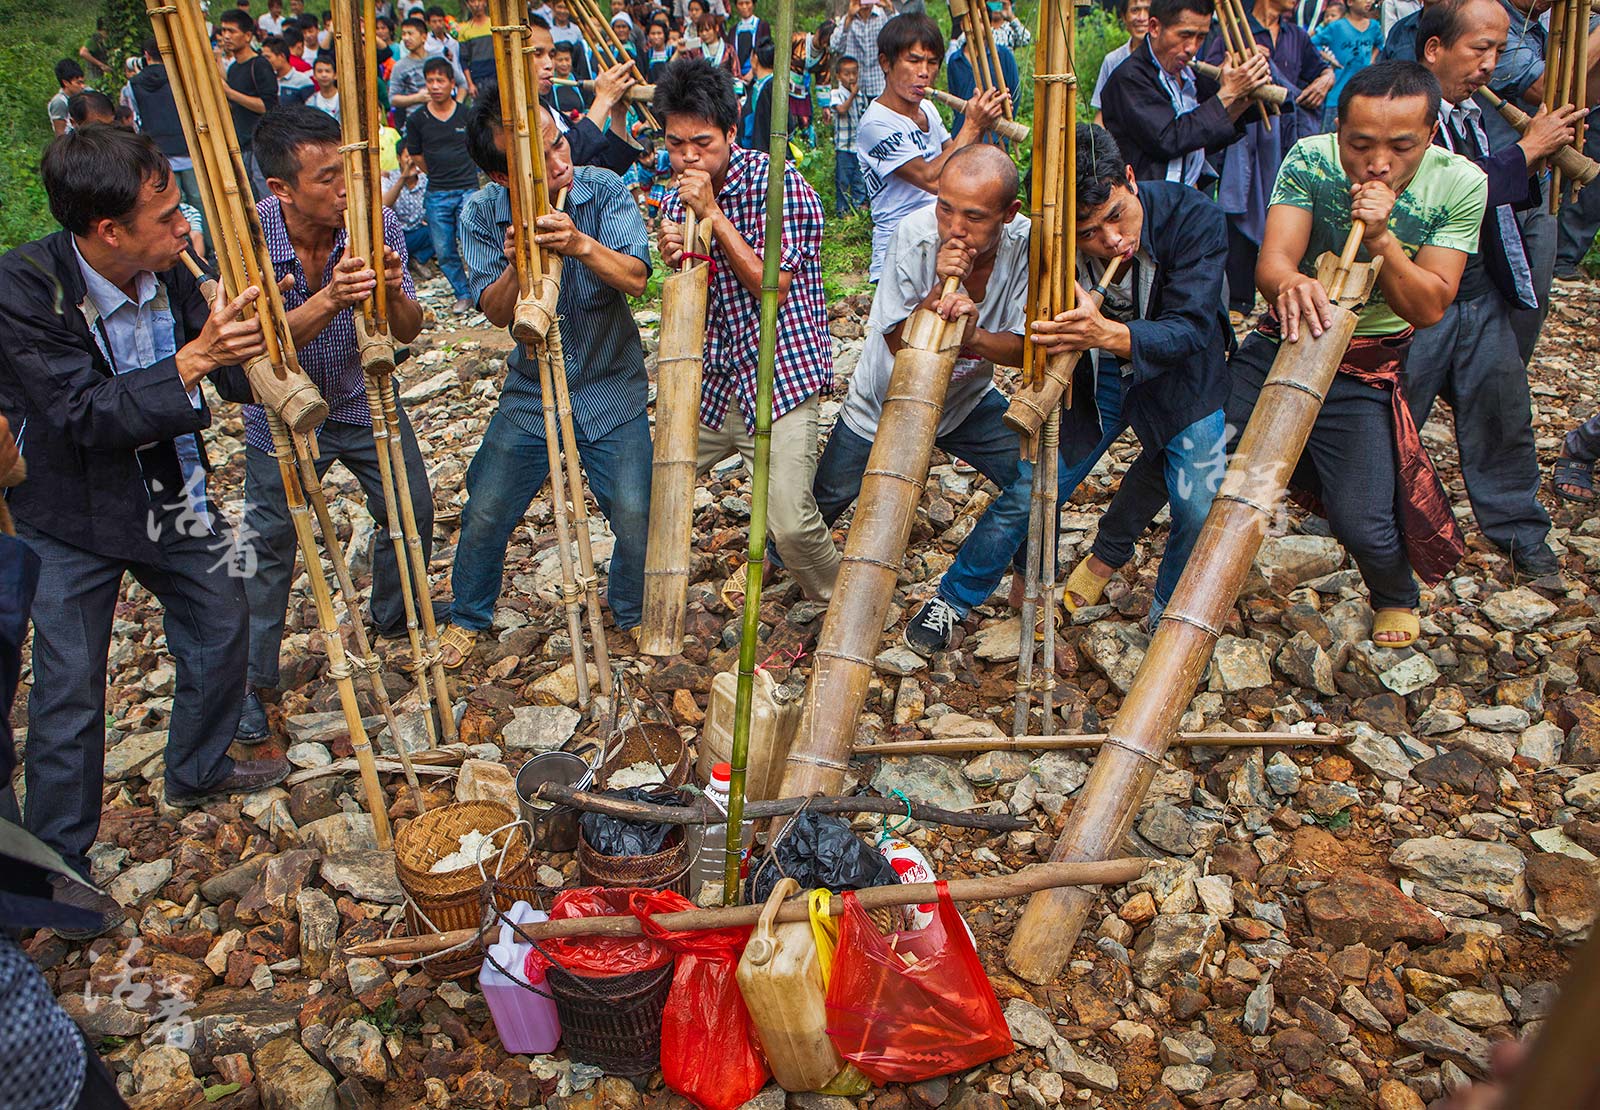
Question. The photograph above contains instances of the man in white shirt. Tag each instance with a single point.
(901, 143)
(270, 22)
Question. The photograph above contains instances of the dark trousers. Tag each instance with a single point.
(1580, 218)
(267, 515)
(1539, 239)
(1350, 463)
(1241, 269)
(203, 616)
(1470, 360)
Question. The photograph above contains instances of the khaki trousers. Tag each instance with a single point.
(793, 522)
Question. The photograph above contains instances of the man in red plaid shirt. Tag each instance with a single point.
(726, 188)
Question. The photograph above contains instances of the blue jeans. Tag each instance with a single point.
(1191, 468)
(443, 208)
(849, 187)
(510, 468)
(983, 440)
(419, 244)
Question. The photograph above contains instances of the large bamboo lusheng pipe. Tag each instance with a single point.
(1039, 876)
(1574, 165)
(760, 472)
(1275, 95)
(680, 363)
(1030, 406)
(983, 54)
(1178, 655)
(638, 94)
(608, 47)
(1562, 1069)
(897, 470)
(1005, 128)
(1235, 24)
(1566, 78)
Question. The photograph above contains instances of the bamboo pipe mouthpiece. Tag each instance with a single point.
(1275, 95)
(1030, 408)
(638, 94)
(1574, 165)
(1005, 128)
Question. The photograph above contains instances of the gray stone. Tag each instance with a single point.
(1519, 609)
(1414, 673)
(998, 642)
(140, 881)
(1283, 774)
(1350, 620)
(1240, 664)
(1476, 1008)
(1173, 943)
(365, 974)
(1287, 561)
(1167, 827)
(1499, 718)
(323, 728)
(319, 930)
(1356, 1004)
(1541, 745)
(1584, 792)
(772, 1097)
(1443, 1039)
(366, 876)
(1257, 1009)
(356, 1049)
(308, 754)
(1304, 663)
(227, 1022)
(129, 758)
(1381, 754)
(1188, 1047)
(1061, 772)
(1029, 1025)
(1495, 748)
(1116, 651)
(163, 1076)
(1185, 1079)
(540, 728)
(287, 1078)
(1216, 894)
(925, 778)
(1075, 1068)
(899, 660)
(1494, 873)
(341, 833)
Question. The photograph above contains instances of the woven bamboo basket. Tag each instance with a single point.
(639, 743)
(667, 869)
(613, 1022)
(453, 899)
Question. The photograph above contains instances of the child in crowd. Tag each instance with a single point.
(845, 106)
(1353, 41)
(326, 98)
(568, 100)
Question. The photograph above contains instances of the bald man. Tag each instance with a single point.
(972, 232)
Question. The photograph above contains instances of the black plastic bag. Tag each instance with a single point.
(613, 836)
(820, 851)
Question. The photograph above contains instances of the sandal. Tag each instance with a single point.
(1577, 473)
(1403, 621)
(733, 589)
(457, 639)
(1083, 582)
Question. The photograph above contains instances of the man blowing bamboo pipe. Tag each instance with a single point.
(303, 220)
(607, 250)
(725, 186)
(104, 340)
(600, 137)
(1421, 207)
(1471, 356)
(971, 233)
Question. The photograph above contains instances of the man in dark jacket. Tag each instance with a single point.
(104, 339)
(599, 138)
(1155, 359)
(1166, 118)
(158, 118)
(1470, 357)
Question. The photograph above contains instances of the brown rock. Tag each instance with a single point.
(1579, 714)
(1566, 892)
(685, 711)
(1395, 1095)
(1358, 908)
(1237, 860)
(1387, 996)
(1302, 975)
(1299, 1049)
(1138, 909)
(1464, 956)
(1187, 1003)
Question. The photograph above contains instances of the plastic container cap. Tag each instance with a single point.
(722, 777)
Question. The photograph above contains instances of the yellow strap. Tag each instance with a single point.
(824, 930)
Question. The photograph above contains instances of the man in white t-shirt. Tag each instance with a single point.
(901, 144)
(972, 231)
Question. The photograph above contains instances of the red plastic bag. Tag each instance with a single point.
(596, 955)
(904, 1020)
(709, 1053)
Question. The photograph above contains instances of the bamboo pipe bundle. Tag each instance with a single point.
(1267, 454)
(244, 262)
(1575, 166)
(1234, 21)
(610, 49)
(1275, 96)
(982, 53)
(1039, 876)
(1566, 76)
(1029, 407)
(276, 379)
(1005, 128)
(897, 470)
(680, 362)
(638, 94)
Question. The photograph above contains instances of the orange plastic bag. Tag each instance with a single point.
(914, 1005)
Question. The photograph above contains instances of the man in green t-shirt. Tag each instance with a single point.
(1422, 207)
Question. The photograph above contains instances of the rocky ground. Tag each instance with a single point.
(1346, 926)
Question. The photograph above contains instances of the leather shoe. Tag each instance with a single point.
(90, 899)
(247, 776)
(253, 727)
(1535, 561)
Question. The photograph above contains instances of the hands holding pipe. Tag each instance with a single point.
(1084, 328)
(1370, 203)
(1238, 80)
(227, 339)
(1549, 131)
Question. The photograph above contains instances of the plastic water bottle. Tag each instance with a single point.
(527, 1022)
(912, 867)
(711, 852)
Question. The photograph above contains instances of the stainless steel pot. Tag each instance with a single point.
(555, 827)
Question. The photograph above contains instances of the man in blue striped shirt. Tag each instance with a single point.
(607, 248)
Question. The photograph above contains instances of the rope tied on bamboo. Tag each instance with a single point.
(1056, 78)
(348, 147)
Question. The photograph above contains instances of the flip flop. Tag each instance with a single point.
(1573, 472)
(462, 640)
(1085, 583)
(1396, 620)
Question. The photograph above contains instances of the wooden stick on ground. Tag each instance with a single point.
(1088, 741)
(1040, 876)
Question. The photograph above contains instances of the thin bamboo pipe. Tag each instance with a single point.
(1028, 408)
(680, 363)
(1273, 95)
(702, 812)
(1023, 698)
(1032, 355)
(760, 473)
(1039, 876)
(1047, 575)
(1235, 23)
(1178, 655)
(1575, 166)
(1085, 742)
(1562, 1069)
(599, 33)
(638, 94)
(897, 471)
(1005, 128)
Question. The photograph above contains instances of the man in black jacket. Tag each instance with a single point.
(104, 339)
(158, 118)
(600, 137)
(1155, 359)
(1471, 357)
(1166, 118)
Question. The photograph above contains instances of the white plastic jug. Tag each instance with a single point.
(526, 1021)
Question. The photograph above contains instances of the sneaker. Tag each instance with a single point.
(247, 776)
(253, 728)
(931, 629)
